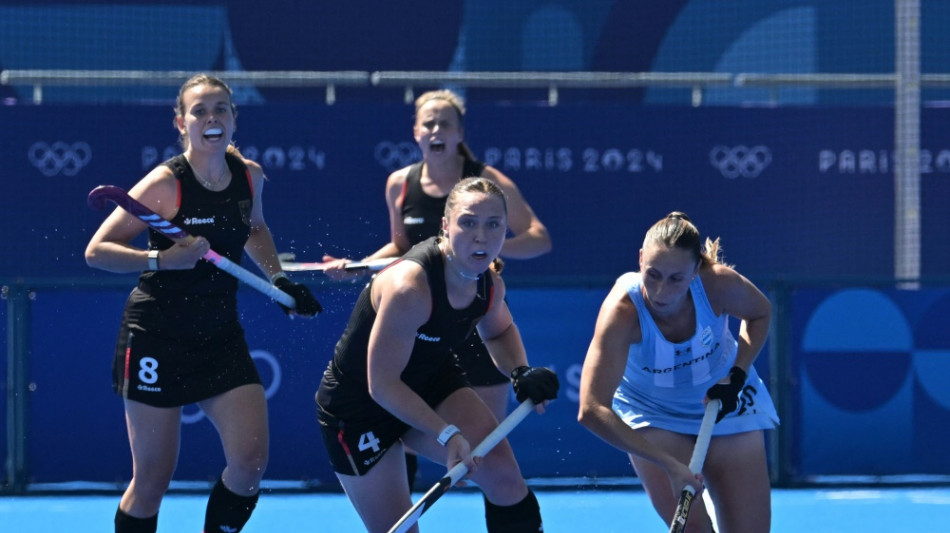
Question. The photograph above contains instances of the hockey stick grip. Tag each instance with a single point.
(102, 194)
(458, 471)
(678, 524)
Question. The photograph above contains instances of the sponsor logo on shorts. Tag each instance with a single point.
(372, 460)
(423, 337)
(410, 221)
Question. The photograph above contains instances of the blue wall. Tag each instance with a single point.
(792, 192)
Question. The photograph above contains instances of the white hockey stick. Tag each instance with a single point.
(678, 524)
(287, 263)
(458, 471)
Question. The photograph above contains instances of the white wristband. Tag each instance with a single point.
(153, 259)
(447, 433)
(277, 276)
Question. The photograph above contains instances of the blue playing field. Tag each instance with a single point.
(890, 510)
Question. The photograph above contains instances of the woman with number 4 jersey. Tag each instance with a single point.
(416, 195)
(393, 381)
(662, 348)
(180, 341)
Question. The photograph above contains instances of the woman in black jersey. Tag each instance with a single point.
(180, 341)
(393, 380)
(416, 195)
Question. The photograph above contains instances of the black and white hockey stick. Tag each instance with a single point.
(678, 524)
(288, 263)
(458, 471)
(109, 193)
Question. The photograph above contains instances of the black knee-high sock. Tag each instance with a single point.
(522, 517)
(129, 524)
(227, 512)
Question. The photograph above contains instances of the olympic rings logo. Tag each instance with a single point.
(394, 156)
(60, 157)
(740, 160)
(260, 356)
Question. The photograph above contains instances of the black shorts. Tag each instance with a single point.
(164, 370)
(357, 442)
(480, 370)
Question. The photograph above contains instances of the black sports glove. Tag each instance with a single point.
(307, 305)
(535, 382)
(728, 393)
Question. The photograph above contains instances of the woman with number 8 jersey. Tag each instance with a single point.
(180, 341)
(393, 380)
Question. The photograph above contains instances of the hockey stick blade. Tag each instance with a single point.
(678, 524)
(458, 471)
(100, 196)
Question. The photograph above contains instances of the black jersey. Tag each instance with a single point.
(422, 218)
(421, 213)
(344, 391)
(180, 340)
(204, 296)
(222, 217)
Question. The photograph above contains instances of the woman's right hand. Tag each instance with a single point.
(681, 476)
(183, 255)
(460, 451)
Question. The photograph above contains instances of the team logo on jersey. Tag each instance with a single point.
(706, 337)
(245, 207)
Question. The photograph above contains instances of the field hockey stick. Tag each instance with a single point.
(678, 524)
(109, 193)
(458, 471)
(287, 263)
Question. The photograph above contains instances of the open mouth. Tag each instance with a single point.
(214, 134)
(437, 146)
(481, 254)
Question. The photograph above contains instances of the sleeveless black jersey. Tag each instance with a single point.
(421, 213)
(344, 391)
(204, 297)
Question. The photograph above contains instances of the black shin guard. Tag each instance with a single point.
(226, 510)
(522, 517)
(129, 524)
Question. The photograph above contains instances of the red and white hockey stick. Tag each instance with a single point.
(458, 471)
(678, 524)
(109, 193)
(287, 263)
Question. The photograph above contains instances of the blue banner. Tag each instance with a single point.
(870, 366)
(791, 192)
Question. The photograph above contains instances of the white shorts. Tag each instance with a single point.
(756, 411)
